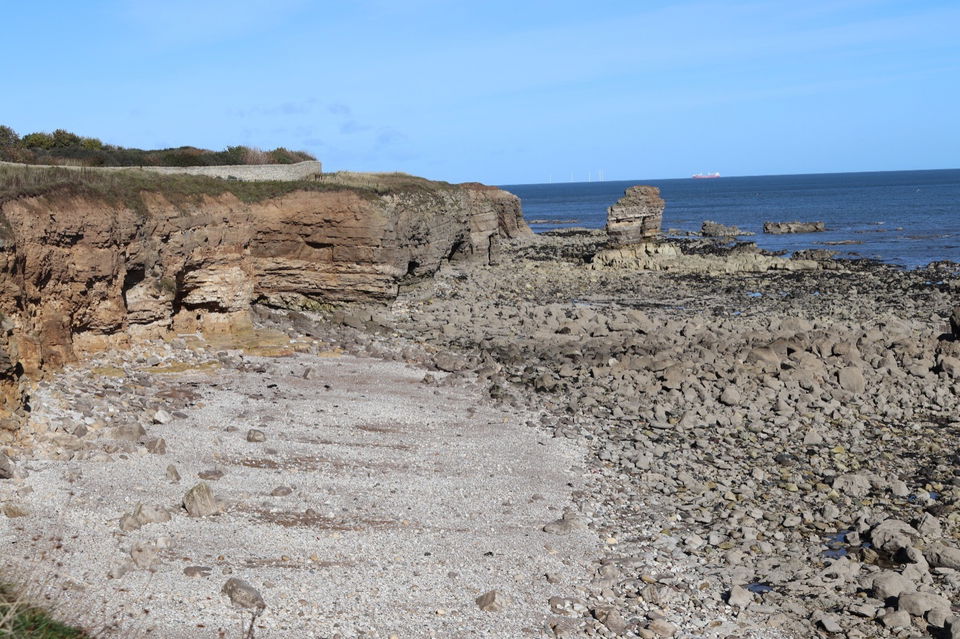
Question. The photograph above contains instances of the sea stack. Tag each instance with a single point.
(636, 216)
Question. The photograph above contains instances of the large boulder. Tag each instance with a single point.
(636, 216)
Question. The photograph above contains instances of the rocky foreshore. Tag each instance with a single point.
(771, 452)
(774, 453)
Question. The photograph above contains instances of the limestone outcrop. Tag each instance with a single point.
(636, 216)
(84, 271)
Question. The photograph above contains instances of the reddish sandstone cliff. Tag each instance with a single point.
(79, 271)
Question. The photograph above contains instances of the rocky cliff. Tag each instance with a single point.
(83, 271)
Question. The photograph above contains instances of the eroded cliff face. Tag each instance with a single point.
(79, 272)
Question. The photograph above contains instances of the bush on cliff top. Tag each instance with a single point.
(65, 148)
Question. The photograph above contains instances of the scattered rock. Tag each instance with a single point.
(567, 524)
(256, 436)
(492, 601)
(243, 595)
(197, 571)
(779, 228)
(200, 502)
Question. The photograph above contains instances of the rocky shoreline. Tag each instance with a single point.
(772, 450)
(772, 444)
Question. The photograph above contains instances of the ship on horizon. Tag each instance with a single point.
(705, 176)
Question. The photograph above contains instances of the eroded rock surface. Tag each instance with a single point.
(636, 216)
(80, 272)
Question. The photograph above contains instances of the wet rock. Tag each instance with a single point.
(200, 502)
(780, 228)
(713, 229)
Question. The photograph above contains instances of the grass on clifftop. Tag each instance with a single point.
(126, 185)
(23, 621)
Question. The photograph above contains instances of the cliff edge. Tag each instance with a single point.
(81, 269)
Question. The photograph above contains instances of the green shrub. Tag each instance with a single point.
(8, 137)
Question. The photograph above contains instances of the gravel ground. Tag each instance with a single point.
(408, 499)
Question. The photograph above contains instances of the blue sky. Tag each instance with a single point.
(502, 92)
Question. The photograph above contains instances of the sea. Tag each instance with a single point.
(905, 218)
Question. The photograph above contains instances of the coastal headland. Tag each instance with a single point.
(418, 419)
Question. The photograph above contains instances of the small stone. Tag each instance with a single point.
(919, 603)
(943, 556)
(7, 467)
(898, 619)
(731, 396)
(172, 473)
(256, 436)
(197, 571)
(611, 618)
(491, 601)
(851, 379)
(243, 595)
(891, 584)
(663, 628)
(281, 491)
(150, 514)
(212, 474)
(892, 535)
(129, 433)
(830, 624)
(740, 597)
(162, 417)
(852, 484)
(13, 510)
(144, 556)
(200, 502)
(156, 445)
(565, 525)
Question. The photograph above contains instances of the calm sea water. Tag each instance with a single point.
(909, 218)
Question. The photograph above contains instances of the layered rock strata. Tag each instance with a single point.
(80, 272)
(636, 216)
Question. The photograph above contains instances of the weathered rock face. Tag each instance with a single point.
(636, 216)
(781, 228)
(80, 272)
